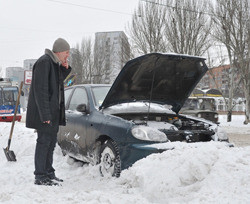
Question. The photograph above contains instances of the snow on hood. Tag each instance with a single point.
(160, 78)
(138, 107)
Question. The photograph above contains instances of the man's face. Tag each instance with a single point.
(63, 56)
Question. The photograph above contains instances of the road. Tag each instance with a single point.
(239, 136)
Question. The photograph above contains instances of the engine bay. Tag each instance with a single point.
(176, 127)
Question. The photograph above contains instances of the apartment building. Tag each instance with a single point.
(218, 78)
(111, 52)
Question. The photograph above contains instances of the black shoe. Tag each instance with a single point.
(53, 177)
(45, 182)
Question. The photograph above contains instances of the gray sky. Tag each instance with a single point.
(27, 27)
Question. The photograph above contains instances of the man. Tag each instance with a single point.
(46, 108)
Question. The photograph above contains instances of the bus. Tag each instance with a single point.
(8, 98)
(202, 107)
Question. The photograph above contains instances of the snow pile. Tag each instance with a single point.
(201, 173)
(208, 173)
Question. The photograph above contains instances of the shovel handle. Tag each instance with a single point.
(14, 118)
(8, 147)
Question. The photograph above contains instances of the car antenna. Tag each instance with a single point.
(151, 93)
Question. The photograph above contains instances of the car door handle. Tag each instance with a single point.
(69, 111)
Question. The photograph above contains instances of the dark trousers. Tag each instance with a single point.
(45, 145)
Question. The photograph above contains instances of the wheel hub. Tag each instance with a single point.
(107, 161)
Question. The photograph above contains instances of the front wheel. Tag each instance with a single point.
(110, 162)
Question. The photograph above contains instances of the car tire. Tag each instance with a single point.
(110, 162)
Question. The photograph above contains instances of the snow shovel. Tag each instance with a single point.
(10, 155)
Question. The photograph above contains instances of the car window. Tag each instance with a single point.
(79, 96)
(1, 97)
(67, 94)
(10, 95)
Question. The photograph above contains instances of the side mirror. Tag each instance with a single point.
(82, 108)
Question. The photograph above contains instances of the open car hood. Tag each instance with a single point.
(159, 78)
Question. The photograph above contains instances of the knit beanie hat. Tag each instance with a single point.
(60, 45)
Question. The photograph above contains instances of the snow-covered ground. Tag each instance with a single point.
(207, 173)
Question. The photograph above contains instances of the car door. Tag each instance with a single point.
(77, 121)
(66, 133)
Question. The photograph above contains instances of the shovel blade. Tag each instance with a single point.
(10, 155)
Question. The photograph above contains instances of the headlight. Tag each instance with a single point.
(148, 133)
(216, 116)
(199, 115)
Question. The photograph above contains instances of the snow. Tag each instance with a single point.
(201, 173)
(136, 107)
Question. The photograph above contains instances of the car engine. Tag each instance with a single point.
(176, 127)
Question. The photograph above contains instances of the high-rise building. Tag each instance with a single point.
(111, 52)
(28, 64)
(15, 74)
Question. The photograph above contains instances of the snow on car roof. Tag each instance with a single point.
(184, 55)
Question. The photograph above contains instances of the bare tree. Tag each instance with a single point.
(101, 63)
(111, 52)
(180, 26)
(232, 29)
(230, 78)
(147, 26)
(101, 60)
(76, 62)
(187, 26)
(88, 59)
(120, 54)
(81, 58)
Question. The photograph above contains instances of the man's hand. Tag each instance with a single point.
(65, 64)
(48, 121)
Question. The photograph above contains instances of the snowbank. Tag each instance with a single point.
(205, 173)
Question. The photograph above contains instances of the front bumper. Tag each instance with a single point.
(134, 152)
(9, 118)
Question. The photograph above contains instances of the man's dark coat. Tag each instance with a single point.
(46, 97)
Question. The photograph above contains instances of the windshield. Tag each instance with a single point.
(1, 97)
(207, 104)
(8, 95)
(191, 104)
(99, 94)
